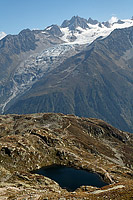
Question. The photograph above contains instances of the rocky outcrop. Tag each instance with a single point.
(29, 142)
(54, 30)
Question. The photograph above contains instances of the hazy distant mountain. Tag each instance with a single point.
(83, 67)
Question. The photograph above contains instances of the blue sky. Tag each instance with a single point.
(16, 15)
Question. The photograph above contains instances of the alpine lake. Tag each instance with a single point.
(71, 178)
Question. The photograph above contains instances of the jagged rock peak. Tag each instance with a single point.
(91, 21)
(54, 30)
(74, 22)
(107, 24)
(24, 41)
(25, 31)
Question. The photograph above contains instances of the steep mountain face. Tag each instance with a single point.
(15, 52)
(64, 69)
(29, 142)
(54, 30)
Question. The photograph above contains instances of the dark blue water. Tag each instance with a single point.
(71, 178)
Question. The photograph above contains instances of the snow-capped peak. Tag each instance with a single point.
(48, 28)
(87, 34)
(2, 35)
(113, 20)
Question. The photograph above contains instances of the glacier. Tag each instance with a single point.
(35, 67)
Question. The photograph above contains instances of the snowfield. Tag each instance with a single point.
(87, 36)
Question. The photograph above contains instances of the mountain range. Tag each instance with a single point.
(83, 67)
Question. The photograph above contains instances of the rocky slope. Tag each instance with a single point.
(28, 142)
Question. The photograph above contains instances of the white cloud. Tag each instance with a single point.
(113, 20)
